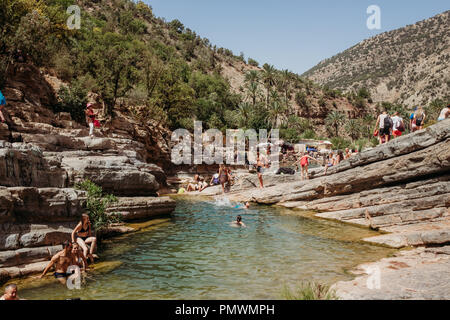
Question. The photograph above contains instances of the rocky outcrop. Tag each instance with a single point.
(419, 274)
(400, 187)
(43, 156)
(139, 208)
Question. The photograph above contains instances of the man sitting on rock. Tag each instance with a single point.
(10, 293)
(61, 261)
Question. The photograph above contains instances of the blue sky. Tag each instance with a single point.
(291, 34)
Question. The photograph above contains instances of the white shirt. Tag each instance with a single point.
(382, 116)
(443, 113)
(397, 121)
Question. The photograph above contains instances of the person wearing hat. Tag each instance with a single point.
(2, 105)
(90, 118)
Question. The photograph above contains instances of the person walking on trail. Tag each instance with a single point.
(2, 105)
(419, 118)
(411, 119)
(399, 126)
(445, 113)
(90, 118)
(304, 163)
(384, 125)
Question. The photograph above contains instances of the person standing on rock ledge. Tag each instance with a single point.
(90, 118)
(2, 105)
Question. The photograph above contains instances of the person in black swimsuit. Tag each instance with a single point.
(83, 233)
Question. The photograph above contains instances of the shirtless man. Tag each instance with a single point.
(10, 293)
(61, 261)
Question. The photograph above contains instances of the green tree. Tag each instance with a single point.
(335, 119)
(269, 79)
(353, 127)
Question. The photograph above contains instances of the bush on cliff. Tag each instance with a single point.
(96, 205)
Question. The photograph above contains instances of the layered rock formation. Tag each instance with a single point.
(400, 188)
(43, 156)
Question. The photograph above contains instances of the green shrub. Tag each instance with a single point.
(253, 62)
(310, 291)
(96, 205)
(340, 143)
(72, 100)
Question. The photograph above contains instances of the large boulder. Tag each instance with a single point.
(115, 174)
(46, 204)
(138, 208)
(24, 165)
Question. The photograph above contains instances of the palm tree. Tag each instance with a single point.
(253, 91)
(244, 110)
(269, 79)
(353, 128)
(285, 84)
(368, 124)
(335, 119)
(252, 76)
(276, 110)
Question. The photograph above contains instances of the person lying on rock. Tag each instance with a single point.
(83, 233)
(202, 184)
(61, 261)
(194, 185)
(10, 293)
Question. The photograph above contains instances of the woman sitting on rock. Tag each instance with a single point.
(83, 231)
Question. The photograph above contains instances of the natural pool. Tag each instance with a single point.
(197, 254)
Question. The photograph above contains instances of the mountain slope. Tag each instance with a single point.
(410, 65)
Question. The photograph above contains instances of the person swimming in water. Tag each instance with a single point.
(243, 206)
(239, 222)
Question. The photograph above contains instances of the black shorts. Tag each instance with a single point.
(259, 169)
(385, 132)
(61, 275)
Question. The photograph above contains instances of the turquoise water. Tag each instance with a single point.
(197, 254)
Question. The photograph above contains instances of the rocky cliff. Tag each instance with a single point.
(409, 65)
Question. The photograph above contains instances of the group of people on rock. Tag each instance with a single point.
(388, 126)
(223, 176)
(74, 252)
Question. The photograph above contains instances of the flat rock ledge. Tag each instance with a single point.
(419, 274)
(139, 208)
